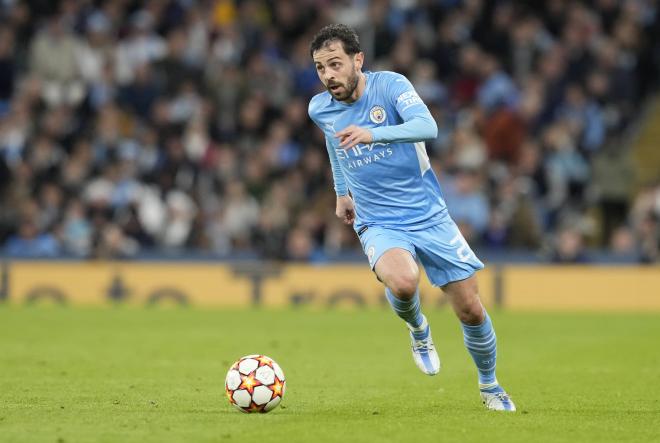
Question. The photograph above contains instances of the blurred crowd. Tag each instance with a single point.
(169, 126)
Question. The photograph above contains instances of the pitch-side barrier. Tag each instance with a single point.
(515, 287)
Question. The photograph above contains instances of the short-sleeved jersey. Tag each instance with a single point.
(392, 184)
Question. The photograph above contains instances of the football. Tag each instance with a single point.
(255, 383)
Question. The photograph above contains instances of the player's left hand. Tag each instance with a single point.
(352, 135)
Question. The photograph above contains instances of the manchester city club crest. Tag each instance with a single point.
(377, 114)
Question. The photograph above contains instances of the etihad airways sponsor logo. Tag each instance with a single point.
(365, 154)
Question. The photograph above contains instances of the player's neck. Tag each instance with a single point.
(359, 90)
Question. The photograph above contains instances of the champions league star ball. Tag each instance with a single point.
(255, 383)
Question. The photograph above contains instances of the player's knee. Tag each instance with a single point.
(404, 285)
(472, 314)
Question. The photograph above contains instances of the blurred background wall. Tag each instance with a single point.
(179, 129)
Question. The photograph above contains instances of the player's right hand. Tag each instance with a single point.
(345, 209)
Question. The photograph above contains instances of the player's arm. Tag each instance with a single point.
(345, 208)
(418, 124)
(418, 128)
(341, 188)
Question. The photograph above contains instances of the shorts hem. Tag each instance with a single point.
(455, 277)
(414, 255)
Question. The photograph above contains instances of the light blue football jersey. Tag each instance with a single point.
(392, 183)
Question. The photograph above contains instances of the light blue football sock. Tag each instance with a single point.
(408, 310)
(481, 343)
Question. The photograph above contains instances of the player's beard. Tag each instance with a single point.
(349, 88)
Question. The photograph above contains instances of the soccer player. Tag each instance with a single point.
(375, 125)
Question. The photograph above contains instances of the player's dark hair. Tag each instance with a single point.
(336, 32)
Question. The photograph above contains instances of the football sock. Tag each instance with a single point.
(410, 311)
(481, 343)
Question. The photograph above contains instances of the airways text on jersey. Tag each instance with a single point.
(364, 154)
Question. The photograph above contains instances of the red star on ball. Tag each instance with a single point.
(277, 388)
(249, 383)
(264, 361)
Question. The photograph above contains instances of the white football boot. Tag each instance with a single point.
(497, 400)
(423, 350)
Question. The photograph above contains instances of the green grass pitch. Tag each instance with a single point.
(157, 375)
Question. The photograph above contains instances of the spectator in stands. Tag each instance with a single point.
(569, 247)
(54, 61)
(30, 242)
(467, 203)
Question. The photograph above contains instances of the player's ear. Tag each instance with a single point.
(359, 60)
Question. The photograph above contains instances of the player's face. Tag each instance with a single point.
(338, 71)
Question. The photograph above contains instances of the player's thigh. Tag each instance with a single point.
(397, 269)
(391, 256)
